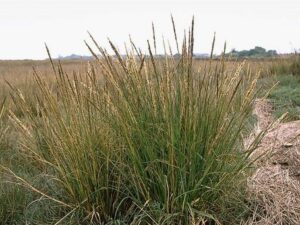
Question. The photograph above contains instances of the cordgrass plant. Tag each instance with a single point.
(142, 140)
(68, 138)
(3, 127)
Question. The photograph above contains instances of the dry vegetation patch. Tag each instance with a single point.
(274, 188)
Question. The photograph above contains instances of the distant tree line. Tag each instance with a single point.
(257, 52)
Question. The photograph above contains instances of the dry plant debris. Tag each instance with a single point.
(274, 188)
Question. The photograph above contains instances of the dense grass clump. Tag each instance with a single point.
(141, 140)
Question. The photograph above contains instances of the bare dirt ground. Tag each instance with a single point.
(274, 188)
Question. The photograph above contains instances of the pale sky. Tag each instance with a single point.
(26, 25)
